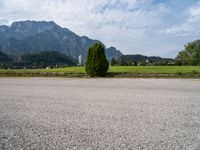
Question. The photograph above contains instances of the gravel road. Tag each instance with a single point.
(54, 113)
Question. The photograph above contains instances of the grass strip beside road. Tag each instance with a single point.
(114, 71)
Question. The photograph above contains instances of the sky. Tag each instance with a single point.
(148, 27)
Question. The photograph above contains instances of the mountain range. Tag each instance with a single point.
(31, 37)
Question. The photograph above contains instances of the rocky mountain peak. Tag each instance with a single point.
(34, 36)
(32, 26)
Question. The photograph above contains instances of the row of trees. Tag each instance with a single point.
(37, 60)
(47, 58)
(126, 61)
(189, 56)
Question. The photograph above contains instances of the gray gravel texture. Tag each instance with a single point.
(54, 113)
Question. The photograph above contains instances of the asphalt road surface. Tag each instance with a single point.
(54, 113)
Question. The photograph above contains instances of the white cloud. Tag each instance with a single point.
(189, 26)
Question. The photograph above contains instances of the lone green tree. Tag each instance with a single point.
(96, 63)
(191, 54)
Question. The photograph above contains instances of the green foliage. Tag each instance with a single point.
(46, 58)
(96, 62)
(5, 60)
(191, 54)
(140, 60)
(4, 57)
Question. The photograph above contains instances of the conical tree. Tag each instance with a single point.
(96, 62)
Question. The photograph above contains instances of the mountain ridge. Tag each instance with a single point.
(35, 36)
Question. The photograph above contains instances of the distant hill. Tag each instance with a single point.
(112, 52)
(46, 58)
(31, 36)
(4, 58)
(141, 59)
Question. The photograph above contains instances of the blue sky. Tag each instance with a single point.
(149, 27)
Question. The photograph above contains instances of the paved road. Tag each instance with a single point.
(54, 113)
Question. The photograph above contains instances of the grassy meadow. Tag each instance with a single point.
(155, 69)
(114, 71)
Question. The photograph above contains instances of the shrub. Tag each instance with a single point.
(96, 62)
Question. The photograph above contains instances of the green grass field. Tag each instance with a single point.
(126, 71)
(155, 69)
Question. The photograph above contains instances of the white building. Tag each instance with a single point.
(147, 61)
(80, 60)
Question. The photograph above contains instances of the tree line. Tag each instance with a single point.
(189, 56)
(37, 60)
